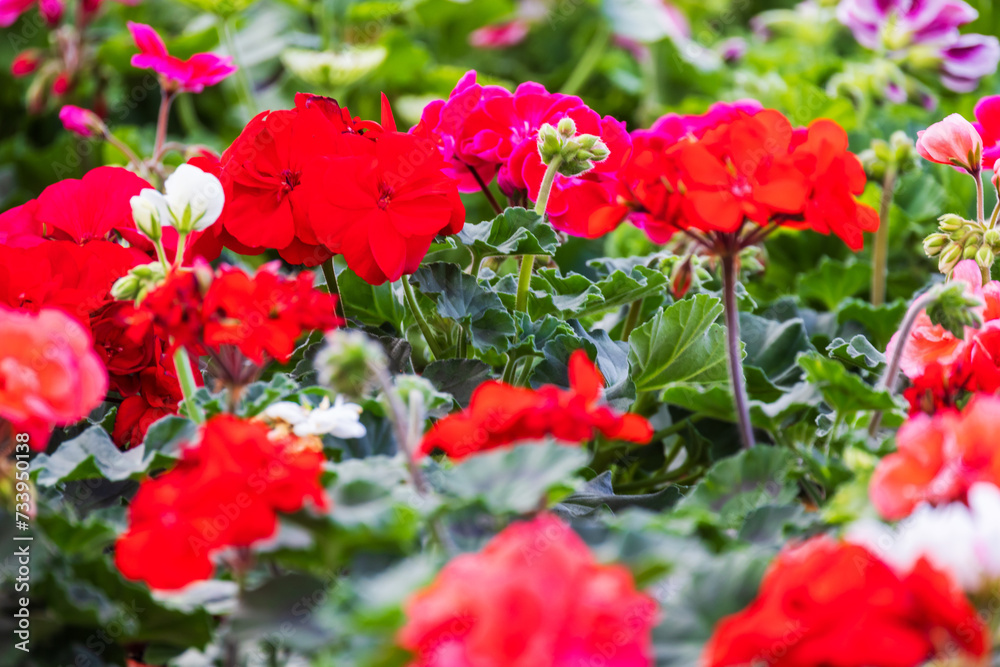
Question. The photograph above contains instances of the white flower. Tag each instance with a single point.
(149, 211)
(194, 197)
(961, 540)
(341, 420)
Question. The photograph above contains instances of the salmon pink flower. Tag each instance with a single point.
(533, 597)
(186, 76)
(953, 141)
(499, 415)
(49, 373)
(180, 519)
(835, 603)
(938, 459)
(499, 35)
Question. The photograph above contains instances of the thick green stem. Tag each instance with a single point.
(631, 319)
(508, 370)
(418, 315)
(182, 365)
(880, 253)
(179, 254)
(524, 283)
(734, 352)
(243, 83)
(546, 187)
(525, 374)
(588, 60)
(334, 289)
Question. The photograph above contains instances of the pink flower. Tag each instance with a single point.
(988, 125)
(84, 122)
(499, 35)
(49, 372)
(953, 141)
(11, 10)
(186, 76)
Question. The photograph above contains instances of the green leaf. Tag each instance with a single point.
(598, 493)
(92, 454)
(514, 232)
(772, 346)
(736, 486)
(458, 377)
(858, 352)
(462, 298)
(680, 345)
(373, 305)
(283, 612)
(881, 322)
(831, 282)
(843, 391)
(513, 479)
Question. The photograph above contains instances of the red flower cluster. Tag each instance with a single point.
(392, 196)
(486, 131)
(49, 373)
(263, 313)
(942, 368)
(533, 597)
(226, 491)
(939, 458)
(836, 604)
(500, 414)
(62, 250)
(738, 164)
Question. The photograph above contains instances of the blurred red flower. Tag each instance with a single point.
(49, 373)
(500, 414)
(831, 603)
(938, 458)
(224, 492)
(533, 597)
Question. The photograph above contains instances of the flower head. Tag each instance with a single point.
(49, 373)
(190, 76)
(84, 122)
(536, 596)
(500, 414)
(953, 141)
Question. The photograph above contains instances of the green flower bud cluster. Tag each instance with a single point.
(899, 153)
(958, 239)
(577, 153)
(954, 309)
(138, 282)
(348, 362)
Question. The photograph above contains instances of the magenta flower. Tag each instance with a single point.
(11, 10)
(499, 35)
(897, 26)
(185, 76)
(988, 125)
(82, 121)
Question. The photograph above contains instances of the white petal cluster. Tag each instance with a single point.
(341, 420)
(192, 201)
(963, 540)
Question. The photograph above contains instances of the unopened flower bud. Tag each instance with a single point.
(904, 150)
(125, 288)
(434, 402)
(949, 258)
(147, 212)
(949, 222)
(81, 121)
(26, 62)
(969, 252)
(135, 284)
(567, 127)
(348, 362)
(985, 257)
(934, 244)
(992, 238)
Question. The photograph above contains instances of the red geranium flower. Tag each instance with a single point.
(191, 75)
(533, 597)
(224, 492)
(262, 313)
(836, 604)
(500, 414)
(123, 339)
(49, 373)
(938, 459)
(392, 198)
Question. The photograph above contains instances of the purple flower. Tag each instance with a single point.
(897, 26)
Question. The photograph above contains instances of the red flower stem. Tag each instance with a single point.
(162, 120)
(486, 190)
(880, 253)
(418, 315)
(888, 379)
(182, 366)
(734, 353)
(334, 289)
